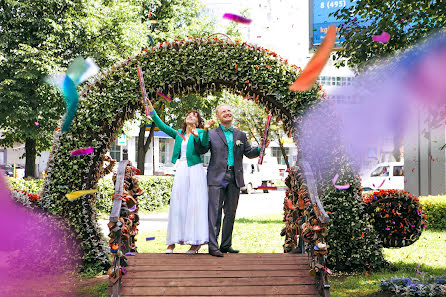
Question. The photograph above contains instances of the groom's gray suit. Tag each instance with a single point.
(224, 183)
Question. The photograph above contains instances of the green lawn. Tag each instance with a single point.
(251, 235)
(428, 252)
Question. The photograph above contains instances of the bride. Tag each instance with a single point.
(188, 211)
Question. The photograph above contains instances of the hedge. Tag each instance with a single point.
(156, 191)
(435, 209)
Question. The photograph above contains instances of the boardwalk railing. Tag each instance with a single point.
(123, 223)
(316, 246)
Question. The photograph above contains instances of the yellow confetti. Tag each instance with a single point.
(75, 195)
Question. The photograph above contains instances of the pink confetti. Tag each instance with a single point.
(181, 136)
(36, 123)
(82, 151)
(383, 38)
(266, 188)
(381, 184)
(340, 187)
(164, 96)
(237, 18)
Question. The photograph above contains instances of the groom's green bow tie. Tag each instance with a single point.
(228, 129)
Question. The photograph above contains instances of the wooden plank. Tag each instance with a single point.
(227, 255)
(220, 282)
(212, 261)
(275, 295)
(212, 274)
(221, 266)
(205, 262)
(219, 291)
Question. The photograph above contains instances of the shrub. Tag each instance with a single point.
(397, 216)
(30, 185)
(407, 286)
(156, 191)
(435, 208)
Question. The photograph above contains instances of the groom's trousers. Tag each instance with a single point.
(223, 197)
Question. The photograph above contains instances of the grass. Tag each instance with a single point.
(251, 235)
(427, 252)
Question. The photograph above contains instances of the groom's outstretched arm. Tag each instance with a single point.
(249, 151)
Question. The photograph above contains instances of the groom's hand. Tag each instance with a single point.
(208, 125)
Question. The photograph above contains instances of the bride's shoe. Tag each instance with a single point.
(193, 250)
(170, 249)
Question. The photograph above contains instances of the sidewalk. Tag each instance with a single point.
(249, 206)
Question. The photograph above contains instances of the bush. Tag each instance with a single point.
(30, 185)
(397, 216)
(435, 209)
(156, 191)
(407, 286)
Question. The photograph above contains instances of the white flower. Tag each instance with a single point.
(238, 142)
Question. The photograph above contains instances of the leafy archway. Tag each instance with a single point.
(178, 68)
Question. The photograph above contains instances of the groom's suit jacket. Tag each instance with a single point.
(219, 155)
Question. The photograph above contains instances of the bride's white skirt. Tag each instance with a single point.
(188, 212)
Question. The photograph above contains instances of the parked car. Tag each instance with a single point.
(384, 176)
(256, 175)
(8, 170)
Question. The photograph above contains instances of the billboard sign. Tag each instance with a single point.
(321, 20)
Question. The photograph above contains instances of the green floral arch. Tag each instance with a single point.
(195, 65)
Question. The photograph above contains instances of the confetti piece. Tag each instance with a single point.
(237, 18)
(266, 188)
(77, 194)
(130, 254)
(340, 187)
(77, 72)
(383, 38)
(235, 67)
(413, 169)
(309, 75)
(223, 183)
(150, 238)
(82, 151)
(249, 97)
(164, 96)
(381, 184)
(36, 123)
(152, 43)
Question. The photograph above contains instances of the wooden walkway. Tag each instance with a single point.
(232, 275)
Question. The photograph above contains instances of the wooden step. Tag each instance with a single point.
(232, 275)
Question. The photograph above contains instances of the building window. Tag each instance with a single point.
(277, 153)
(115, 152)
(163, 150)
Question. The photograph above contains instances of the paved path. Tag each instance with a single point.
(249, 205)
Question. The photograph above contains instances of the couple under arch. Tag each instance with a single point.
(199, 198)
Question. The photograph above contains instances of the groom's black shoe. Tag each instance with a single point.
(216, 253)
(229, 250)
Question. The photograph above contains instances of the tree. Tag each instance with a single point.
(31, 46)
(43, 37)
(406, 21)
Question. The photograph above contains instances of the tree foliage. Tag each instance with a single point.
(406, 21)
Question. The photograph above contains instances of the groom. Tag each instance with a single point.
(225, 177)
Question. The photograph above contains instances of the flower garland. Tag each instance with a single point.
(397, 215)
(406, 286)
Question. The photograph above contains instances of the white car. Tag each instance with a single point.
(256, 175)
(384, 176)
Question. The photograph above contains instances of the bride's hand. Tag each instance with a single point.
(194, 132)
(149, 104)
(208, 125)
